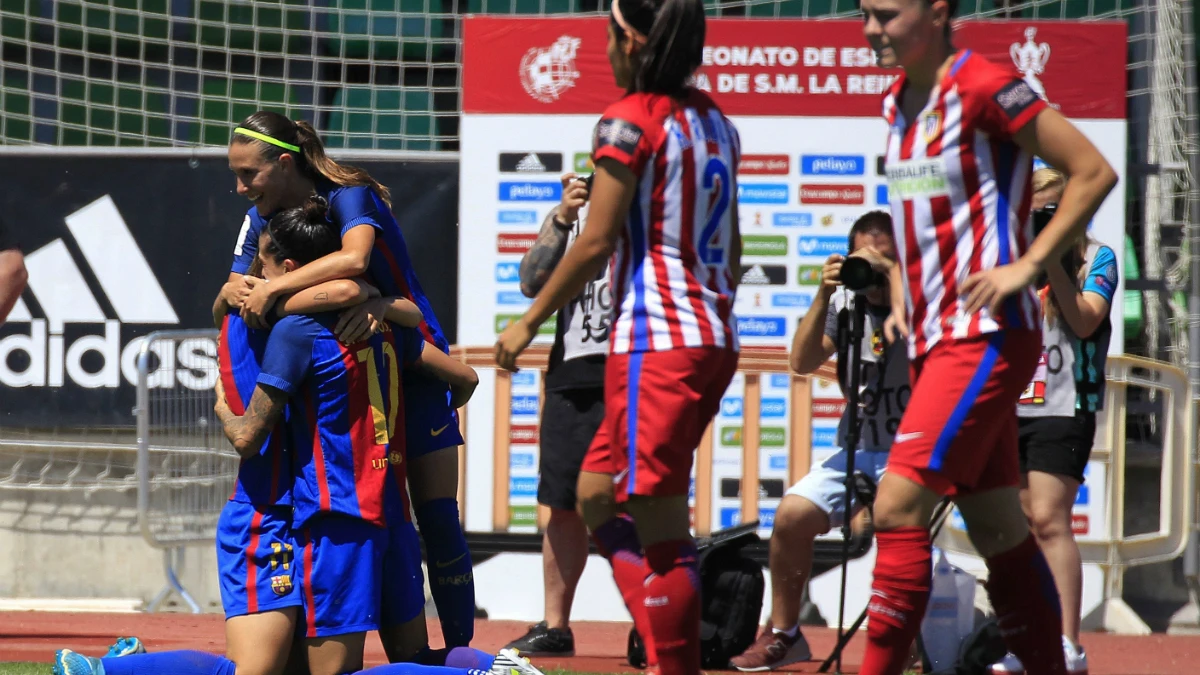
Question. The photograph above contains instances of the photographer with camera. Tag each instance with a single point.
(1057, 412)
(573, 409)
(817, 503)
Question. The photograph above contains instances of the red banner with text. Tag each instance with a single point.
(796, 67)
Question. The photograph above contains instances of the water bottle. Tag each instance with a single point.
(965, 584)
(940, 629)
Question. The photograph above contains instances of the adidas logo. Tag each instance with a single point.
(755, 275)
(62, 293)
(531, 163)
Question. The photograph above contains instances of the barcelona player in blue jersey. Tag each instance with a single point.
(278, 163)
(348, 471)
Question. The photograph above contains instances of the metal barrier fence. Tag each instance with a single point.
(185, 467)
(753, 364)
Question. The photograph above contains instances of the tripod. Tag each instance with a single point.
(865, 487)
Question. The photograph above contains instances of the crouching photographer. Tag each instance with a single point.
(817, 503)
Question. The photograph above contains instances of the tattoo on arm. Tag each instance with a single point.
(543, 257)
(247, 432)
(321, 297)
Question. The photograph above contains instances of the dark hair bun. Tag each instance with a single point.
(316, 207)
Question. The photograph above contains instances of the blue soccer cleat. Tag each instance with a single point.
(67, 662)
(125, 646)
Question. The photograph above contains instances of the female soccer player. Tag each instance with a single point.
(266, 574)
(962, 135)
(1058, 409)
(664, 198)
(278, 164)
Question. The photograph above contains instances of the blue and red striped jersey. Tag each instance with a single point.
(345, 416)
(389, 270)
(266, 478)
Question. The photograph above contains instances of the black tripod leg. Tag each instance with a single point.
(837, 649)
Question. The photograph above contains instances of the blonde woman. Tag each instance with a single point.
(1058, 409)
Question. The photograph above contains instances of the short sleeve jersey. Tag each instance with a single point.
(389, 269)
(345, 414)
(959, 191)
(672, 279)
(266, 478)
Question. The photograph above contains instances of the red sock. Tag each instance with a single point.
(673, 605)
(899, 595)
(1022, 591)
(618, 542)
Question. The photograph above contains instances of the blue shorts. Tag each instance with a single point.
(430, 423)
(340, 564)
(255, 559)
(825, 485)
(403, 582)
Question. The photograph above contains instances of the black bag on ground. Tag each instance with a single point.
(979, 651)
(731, 599)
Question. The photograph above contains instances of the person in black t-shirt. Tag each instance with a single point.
(572, 411)
(12, 271)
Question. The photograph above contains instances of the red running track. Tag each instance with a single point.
(600, 647)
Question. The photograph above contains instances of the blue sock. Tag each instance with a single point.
(450, 579)
(417, 669)
(170, 663)
(470, 658)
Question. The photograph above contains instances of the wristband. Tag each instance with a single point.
(560, 224)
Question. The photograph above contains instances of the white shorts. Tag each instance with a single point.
(825, 485)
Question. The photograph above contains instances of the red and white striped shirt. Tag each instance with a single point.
(959, 188)
(672, 282)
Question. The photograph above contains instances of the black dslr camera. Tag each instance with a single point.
(858, 275)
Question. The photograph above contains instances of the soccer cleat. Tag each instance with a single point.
(67, 662)
(1009, 665)
(541, 640)
(772, 650)
(510, 662)
(125, 646)
(1075, 658)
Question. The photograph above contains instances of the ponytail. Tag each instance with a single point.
(672, 37)
(340, 174)
(303, 233)
(277, 135)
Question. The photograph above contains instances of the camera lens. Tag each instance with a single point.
(857, 274)
(1042, 216)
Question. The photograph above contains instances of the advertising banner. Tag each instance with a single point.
(806, 97)
(118, 247)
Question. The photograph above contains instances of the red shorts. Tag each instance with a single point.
(657, 406)
(959, 432)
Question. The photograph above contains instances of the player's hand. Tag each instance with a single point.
(221, 405)
(234, 293)
(831, 274)
(257, 304)
(514, 340)
(361, 321)
(895, 327)
(879, 262)
(991, 287)
(575, 195)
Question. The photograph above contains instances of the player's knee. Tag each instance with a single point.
(1048, 521)
(798, 520)
(597, 508)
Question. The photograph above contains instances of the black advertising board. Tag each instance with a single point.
(120, 246)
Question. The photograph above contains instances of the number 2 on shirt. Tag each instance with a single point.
(385, 426)
(716, 181)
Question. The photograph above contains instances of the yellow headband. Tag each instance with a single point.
(266, 139)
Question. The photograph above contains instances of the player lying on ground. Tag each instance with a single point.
(336, 578)
(278, 164)
(817, 503)
(664, 199)
(962, 134)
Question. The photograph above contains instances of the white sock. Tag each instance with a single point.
(790, 632)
